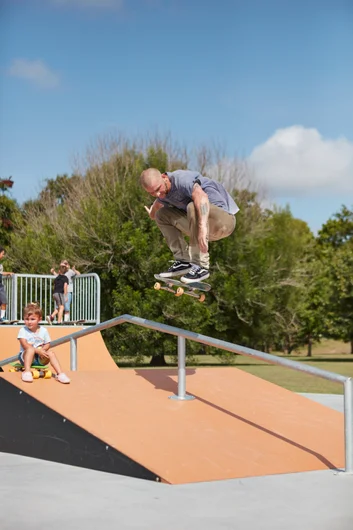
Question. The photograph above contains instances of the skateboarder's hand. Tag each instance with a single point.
(148, 210)
(152, 210)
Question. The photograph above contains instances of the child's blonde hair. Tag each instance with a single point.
(32, 309)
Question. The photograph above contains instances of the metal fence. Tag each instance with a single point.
(25, 288)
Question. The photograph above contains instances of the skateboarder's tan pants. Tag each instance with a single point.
(174, 224)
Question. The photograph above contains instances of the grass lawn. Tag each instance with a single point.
(298, 381)
(332, 356)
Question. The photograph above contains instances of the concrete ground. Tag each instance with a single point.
(55, 496)
(334, 401)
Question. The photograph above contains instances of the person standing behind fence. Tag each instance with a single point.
(60, 296)
(3, 295)
(70, 274)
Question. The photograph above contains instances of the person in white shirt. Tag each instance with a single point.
(35, 345)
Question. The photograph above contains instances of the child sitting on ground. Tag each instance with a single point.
(35, 343)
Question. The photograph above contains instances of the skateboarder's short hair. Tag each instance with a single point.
(149, 177)
(32, 309)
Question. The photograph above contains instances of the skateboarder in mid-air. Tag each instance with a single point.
(189, 204)
(35, 345)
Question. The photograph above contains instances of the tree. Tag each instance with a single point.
(339, 230)
(96, 218)
(6, 184)
(9, 216)
(336, 238)
(341, 299)
(313, 311)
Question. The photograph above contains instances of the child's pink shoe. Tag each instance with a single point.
(27, 377)
(62, 378)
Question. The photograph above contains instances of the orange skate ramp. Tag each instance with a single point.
(238, 425)
(92, 353)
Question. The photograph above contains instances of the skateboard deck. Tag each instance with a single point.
(8, 322)
(74, 322)
(37, 371)
(190, 289)
(69, 323)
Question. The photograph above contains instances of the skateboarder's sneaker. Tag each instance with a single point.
(196, 274)
(62, 378)
(177, 269)
(49, 319)
(3, 320)
(27, 377)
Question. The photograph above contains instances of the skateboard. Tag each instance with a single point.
(190, 289)
(37, 371)
(8, 322)
(69, 323)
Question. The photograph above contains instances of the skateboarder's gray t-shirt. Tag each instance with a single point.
(182, 182)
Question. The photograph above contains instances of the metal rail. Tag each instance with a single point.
(183, 334)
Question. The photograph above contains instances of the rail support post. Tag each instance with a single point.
(181, 373)
(348, 425)
(73, 354)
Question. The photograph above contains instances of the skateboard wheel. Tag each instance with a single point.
(12, 370)
(35, 374)
(47, 374)
(157, 286)
(179, 291)
(202, 298)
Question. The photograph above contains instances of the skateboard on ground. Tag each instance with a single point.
(69, 323)
(37, 371)
(74, 322)
(8, 322)
(190, 289)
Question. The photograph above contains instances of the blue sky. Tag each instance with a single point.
(270, 80)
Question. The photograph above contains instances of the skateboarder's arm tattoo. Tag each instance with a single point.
(202, 208)
(202, 204)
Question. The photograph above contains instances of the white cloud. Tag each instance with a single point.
(112, 4)
(297, 161)
(37, 72)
